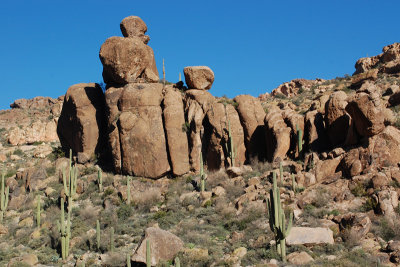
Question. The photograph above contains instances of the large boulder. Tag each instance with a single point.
(277, 136)
(198, 77)
(309, 236)
(252, 117)
(163, 246)
(223, 120)
(367, 114)
(137, 120)
(174, 123)
(134, 26)
(127, 60)
(197, 104)
(315, 136)
(338, 122)
(81, 123)
(295, 122)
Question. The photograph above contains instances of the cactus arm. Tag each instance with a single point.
(38, 212)
(148, 254)
(98, 234)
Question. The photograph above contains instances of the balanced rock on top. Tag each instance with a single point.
(133, 26)
(199, 77)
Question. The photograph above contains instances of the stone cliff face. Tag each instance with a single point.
(151, 129)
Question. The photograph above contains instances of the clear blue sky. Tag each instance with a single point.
(252, 46)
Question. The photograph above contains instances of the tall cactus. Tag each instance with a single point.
(300, 141)
(230, 146)
(70, 181)
(5, 191)
(277, 221)
(148, 254)
(281, 171)
(38, 211)
(202, 174)
(128, 260)
(100, 179)
(65, 232)
(163, 71)
(128, 186)
(98, 235)
(177, 262)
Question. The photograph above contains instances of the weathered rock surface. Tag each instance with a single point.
(163, 246)
(292, 88)
(198, 77)
(134, 26)
(315, 136)
(252, 117)
(220, 118)
(127, 60)
(309, 236)
(174, 121)
(277, 136)
(299, 258)
(197, 104)
(81, 123)
(140, 129)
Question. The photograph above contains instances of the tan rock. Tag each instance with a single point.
(127, 60)
(299, 258)
(368, 118)
(197, 104)
(174, 121)
(3, 230)
(252, 117)
(326, 168)
(277, 136)
(199, 77)
(220, 118)
(81, 122)
(358, 79)
(27, 222)
(141, 131)
(309, 236)
(295, 122)
(292, 88)
(163, 245)
(134, 26)
(314, 133)
(358, 224)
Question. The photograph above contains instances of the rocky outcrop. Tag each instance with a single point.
(315, 135)
(142, 142)
(387, 62)
(223, 121)
(295, 122)
(81, 123)
(197, 104)
(292, 88)
(252, 117)
(174, 123)
(277, 136)
(129, 59)
(198, 77)
(38, 131)
(163, 246)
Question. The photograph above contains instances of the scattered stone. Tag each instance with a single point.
(299, 258)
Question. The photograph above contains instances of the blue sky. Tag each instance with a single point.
(252, 46)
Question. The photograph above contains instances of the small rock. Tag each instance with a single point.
(3, 230)
(27, 222)
(299, 258)
(218, 191)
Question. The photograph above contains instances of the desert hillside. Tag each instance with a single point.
(146, 171)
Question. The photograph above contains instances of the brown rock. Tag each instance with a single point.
(296, 122)
(368, 118)
(314, 133)
(326, 168)
(127, 60)
(252, 117)
(220, 118)
(292, 88)
(197, 104)
(299, 258)
(358, 224)
(337, 121)
(134, 26)
(80, 125)
(277, 136)
(353, 162)
(163, 245)
(358, 79)
(141, 131)
(198, 77)
(174, 120)
(384, 148)
(379, 181)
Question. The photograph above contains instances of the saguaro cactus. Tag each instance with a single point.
(163, 71)
(202, 174)
(148, 254)
(100, 180)
(38, 211)
(65, 232)
(177, 262)
(277, 221)
(281, 172)
(300, 141)
(128, 260)
(70, 182)
(128, 186)
(5, 191)
(230, 146)
(98, 235)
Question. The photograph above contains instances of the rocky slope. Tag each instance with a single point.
(342, 183)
